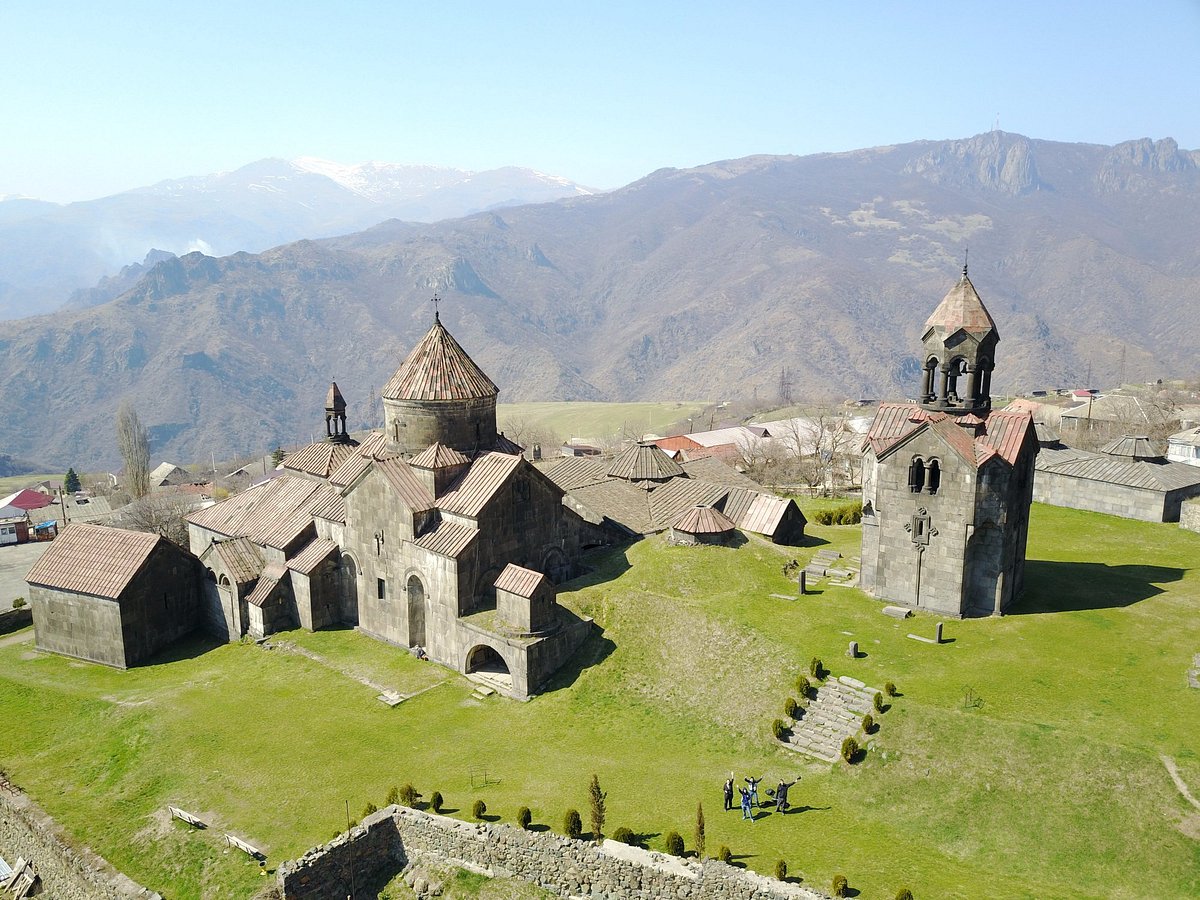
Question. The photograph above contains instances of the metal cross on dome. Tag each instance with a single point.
(435, 300)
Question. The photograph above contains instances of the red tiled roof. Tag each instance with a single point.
(519, 580)
(27, 499)
(1003, 433)
(93, 559)
(439, 369)
(961, 308)
(471, 492)
(438, 456)
(677, 442)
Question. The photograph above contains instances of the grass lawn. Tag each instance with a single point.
(1049, 784)
(598, 421)
(10, 484)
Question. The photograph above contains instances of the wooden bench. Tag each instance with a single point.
(246, 848)
(184, 816)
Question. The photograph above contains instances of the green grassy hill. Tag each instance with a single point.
(1022, 759)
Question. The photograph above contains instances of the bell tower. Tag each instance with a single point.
(959, 342)
(335, 416)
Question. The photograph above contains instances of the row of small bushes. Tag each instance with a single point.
(846, 514)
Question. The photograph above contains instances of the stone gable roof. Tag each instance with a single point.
(320, 458)
(702, 520)
(272, 514)
(334, 399)
(644, 462)
(306, 561)
(1002, 434)
(95, 559)
(519, 580)
(1147, 474)
(961, 309)
(241, 558)
(439, 369)
(438, 456)
(472, 491)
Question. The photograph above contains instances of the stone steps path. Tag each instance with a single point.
(832, 716)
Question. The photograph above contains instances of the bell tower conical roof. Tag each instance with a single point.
(438, 368)
(959, 343)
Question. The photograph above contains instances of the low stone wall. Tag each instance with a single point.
(13, 619)
(1189, 515)
(397, 836)
(66, 873)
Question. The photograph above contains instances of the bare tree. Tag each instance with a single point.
(133, 442)
(163, 513)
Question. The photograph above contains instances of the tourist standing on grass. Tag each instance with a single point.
(728, 788)
(746, 814)
(781, 792)
(753, 782)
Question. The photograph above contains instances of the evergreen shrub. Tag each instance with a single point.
(789, 707)
(724, 855)
(675, 843)
(524, 817)
(625, 836)
(840, 886)
(779, 729)
(478, 809)
(781, 870)
(572, 824)
(849, 749)
(408, 795)
(436, 801)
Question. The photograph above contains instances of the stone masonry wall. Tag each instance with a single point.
(1189, 515)
(66, 872)
(562, 866)
(13, 619)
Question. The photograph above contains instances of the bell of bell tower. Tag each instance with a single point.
(959, 343)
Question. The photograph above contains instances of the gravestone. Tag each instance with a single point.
(852, 650)
(937, 636)
(803, 582)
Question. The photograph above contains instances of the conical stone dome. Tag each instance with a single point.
(439, 395)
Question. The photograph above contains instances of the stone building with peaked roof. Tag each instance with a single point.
(407, 535)
(113, 596)
(948, 482)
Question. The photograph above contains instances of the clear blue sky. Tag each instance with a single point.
(101, 97)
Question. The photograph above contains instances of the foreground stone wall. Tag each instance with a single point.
(1189, 516)
(396, 836)
(14, 619)
(66, 873)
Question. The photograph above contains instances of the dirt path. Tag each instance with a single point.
(17, 637)
(1179, 783)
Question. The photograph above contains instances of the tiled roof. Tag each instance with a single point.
(677, 442)
(644, 462)
(447, 539)
(272, 575)
(576, 471)
(504, 445)
(1189, 437)
(94, 559)
(519, 580)
(471, 492)
(306, 561)
(718, 472)
(404, 480)
(320, 458)
(1152, 475)
(439, 369)
(273, 513)
(1131, 447)
(669, 499)
(240, 556)
(1003, 433)
(621, 502)
(702, 520)
(961, 308)
(330, 506)
(438, 456)
(764, 514)
(1122, 409)
(26, 499)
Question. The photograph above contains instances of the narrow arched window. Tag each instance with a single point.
(934, 476)
(916, 475)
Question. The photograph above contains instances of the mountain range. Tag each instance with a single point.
(716, 282)
(51, 253)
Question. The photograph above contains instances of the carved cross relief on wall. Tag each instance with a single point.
(921, 529)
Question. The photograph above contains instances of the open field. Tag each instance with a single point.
(597, 421)
(12, 483)
(1022, 759)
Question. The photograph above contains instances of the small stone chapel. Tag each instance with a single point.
(948, 482)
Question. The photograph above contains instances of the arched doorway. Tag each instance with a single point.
(557, 565)
(416, 612)
(349, 590)
(484, 660)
